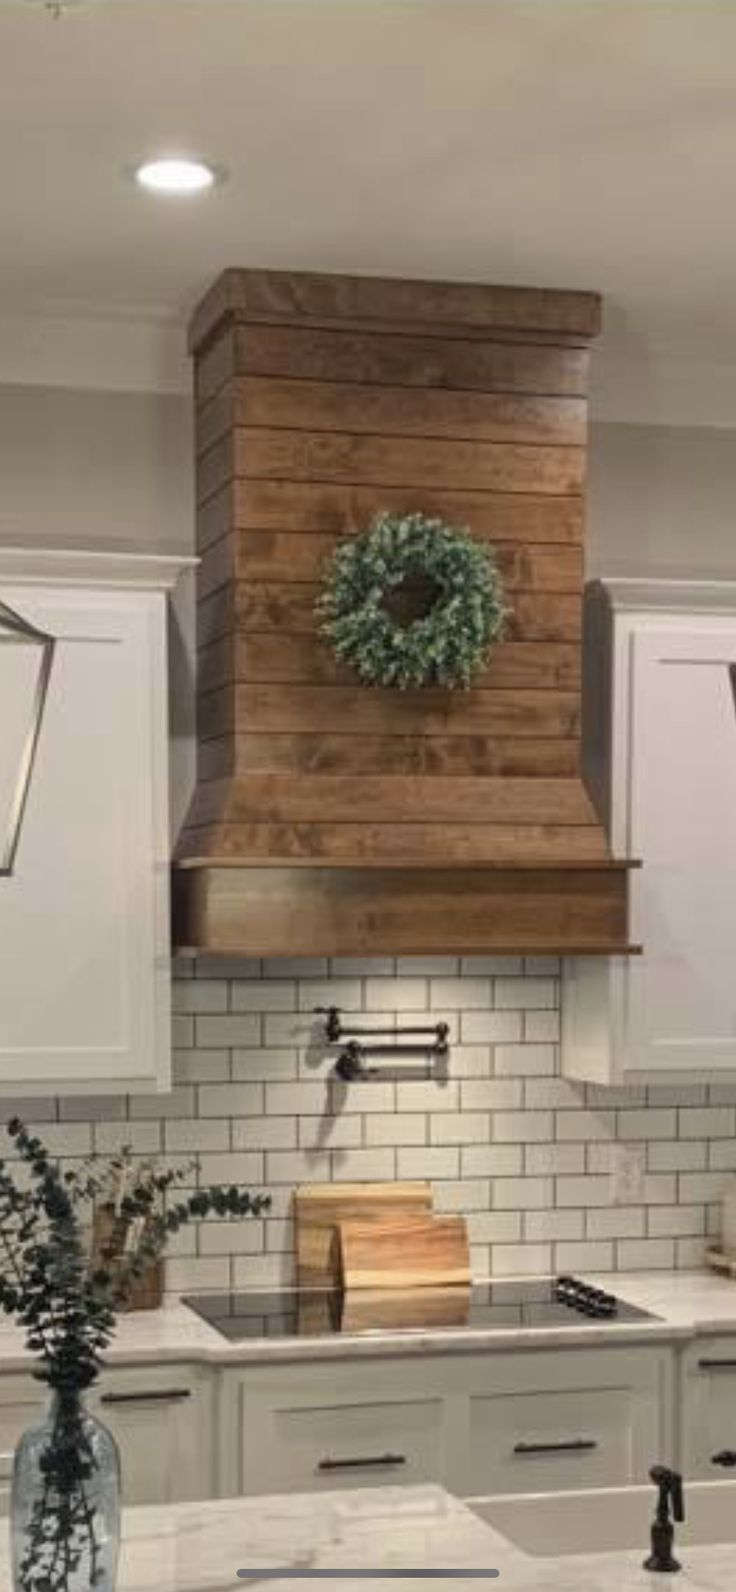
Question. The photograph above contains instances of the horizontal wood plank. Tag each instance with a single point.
(298, 297)
(399, 799)
(381, 844)
(337, 510)
(538, 714)
(315, 406)
(265, 555)
(356, 911)
(289, 608)
(399, 461)
(270, 657)
(315, 753)
(354, 357)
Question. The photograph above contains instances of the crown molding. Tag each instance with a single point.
(59, 566)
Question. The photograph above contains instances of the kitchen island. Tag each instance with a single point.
(195, 1548)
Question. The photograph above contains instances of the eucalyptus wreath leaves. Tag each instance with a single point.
(445, 645)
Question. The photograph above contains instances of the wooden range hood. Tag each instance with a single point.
(331, 818)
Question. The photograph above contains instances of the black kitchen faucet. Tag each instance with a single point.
(669, 1483)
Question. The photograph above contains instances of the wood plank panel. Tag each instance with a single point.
(299, 297)
(269, 658)
(399, 461)
(264, 555)
(539, 714)
(383, 844)
(289, 608)
(337, 508)
(397, 911)
(356, 755)
(407, 361)
(400, 799)
(254, 401)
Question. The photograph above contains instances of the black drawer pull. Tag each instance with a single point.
(164, 1395)
(360, 1460)
(717, 1365)
(576, 1445)
(726, 1458)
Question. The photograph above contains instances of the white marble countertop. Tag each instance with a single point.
(686, 1303)
(198, 1548)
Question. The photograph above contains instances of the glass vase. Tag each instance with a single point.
(65, 1502)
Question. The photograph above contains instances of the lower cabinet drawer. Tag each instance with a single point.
(307, 1448)
(540, 1442)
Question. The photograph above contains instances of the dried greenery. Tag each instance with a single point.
(448, 643)
(66, 1297)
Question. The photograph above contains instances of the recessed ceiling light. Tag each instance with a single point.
(177, 176)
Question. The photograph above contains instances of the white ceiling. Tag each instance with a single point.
(570, 143)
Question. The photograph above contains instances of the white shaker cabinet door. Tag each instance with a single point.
(83, 915)
(681, 994)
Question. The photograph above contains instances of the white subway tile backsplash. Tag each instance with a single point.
(525, 1061)
(438, 1161)
(491, 1094)
(591, 1255)
(491, 1160)
(459, 1127)
(522, 1193)
(230, 1099)
(228, 1031)
(521, 994)
(525, 1154)
(646, 1254)
(479, 1028)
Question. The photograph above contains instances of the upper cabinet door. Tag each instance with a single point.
(661, 762)
(84, 946)
(681, 821)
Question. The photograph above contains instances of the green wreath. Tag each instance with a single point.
(448, 643)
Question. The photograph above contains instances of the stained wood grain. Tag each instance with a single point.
(270, 657)
(289, 607)
(356, 755)
(380, 843)
(400, 461)
(334, 815)
(399, 798)
(339, 509)
(265, 555)
(386, 360)
(275, 910)
(261, 401)
(305, 297)
(538, 714)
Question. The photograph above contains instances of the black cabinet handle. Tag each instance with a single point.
(726, 1458)
(717, 1365)
(165, 1395)
(576, 1445)
(362, 1460)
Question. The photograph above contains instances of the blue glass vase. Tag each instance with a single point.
(65, 1502)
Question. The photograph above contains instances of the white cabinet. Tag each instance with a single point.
(707, 1405)
(660, 753)
(84, 930)
(488, 1422)
(160, 1416)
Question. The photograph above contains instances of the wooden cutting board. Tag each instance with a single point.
(403, 1252)
(319, 1207)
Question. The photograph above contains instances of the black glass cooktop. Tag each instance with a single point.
(545, 1302)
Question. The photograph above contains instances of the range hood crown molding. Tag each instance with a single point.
(332, 818)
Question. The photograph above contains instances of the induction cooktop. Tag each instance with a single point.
(493, 1306)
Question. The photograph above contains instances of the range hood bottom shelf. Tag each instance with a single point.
(345, 911)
